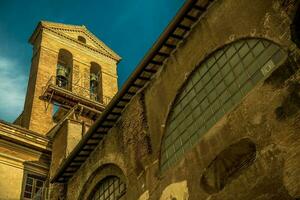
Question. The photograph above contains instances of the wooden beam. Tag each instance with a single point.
(153, 71)
(111, 120)
(130, 93)
(107, 126)
(97, 136)
(156, 62)
(163, 54)
(170, 46)
(75, 164)
(178, 37)
(119, 106)
(137, 86)
(125, 100)
(115, 113)
(202, 9)
(90, 147)
(144, 78)
(67, 174)
(78, 159)
(192, 18)
(71, 169)
(92, 141)
(186, 28)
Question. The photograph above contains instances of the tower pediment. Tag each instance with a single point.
(77, 33)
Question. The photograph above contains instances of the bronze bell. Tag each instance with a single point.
(93, 80)
(62, 74)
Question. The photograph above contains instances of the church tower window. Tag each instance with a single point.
(81, 39)
(63, 69)
(95, 82)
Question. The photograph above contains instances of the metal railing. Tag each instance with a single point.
(76, 89)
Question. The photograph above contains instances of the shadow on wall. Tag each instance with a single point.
(229, 164)
(295, 27)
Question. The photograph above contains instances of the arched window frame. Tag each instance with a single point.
(194, 139)
(96, 73)
(81, 39)
(64, 65)
(108, 187)
(99, 173)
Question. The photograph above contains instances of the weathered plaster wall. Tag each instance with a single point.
(64, 141)
(15, 162)
(269, 117)
(10, 189)
(60, 147)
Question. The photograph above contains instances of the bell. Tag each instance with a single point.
(62, 76)
(93, 77)
(62, 71)
(93, 81)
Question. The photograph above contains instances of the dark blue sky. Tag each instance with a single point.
(129, 27)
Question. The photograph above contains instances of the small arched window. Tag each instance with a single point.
(81, 39)
(64, 69)
(215, 88)
(111, 188)
(95, 82)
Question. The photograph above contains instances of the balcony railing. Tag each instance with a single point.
(77, 89)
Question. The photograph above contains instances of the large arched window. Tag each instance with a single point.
(95, 82)
(217, 85)
(109, 188)
(64, 69)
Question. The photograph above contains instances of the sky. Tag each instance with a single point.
(129, 27)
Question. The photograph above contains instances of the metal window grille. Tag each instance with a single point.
(110, 188)
(215, 88)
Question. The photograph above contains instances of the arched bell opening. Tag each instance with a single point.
(95, 82)
(64, 69)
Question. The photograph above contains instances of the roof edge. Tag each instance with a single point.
(83, 28)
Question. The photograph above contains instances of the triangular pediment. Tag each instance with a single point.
(74, 32)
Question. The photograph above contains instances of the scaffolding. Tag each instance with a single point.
(75, 102)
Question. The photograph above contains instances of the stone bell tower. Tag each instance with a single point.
(72, 69)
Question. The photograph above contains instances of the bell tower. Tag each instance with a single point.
(73, 75)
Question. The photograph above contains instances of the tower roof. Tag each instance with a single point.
(67, 31)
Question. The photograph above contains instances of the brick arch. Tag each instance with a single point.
(205, 67)
(99, 174)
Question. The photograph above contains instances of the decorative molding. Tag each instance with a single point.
(11, 132)
(56, 27)
(11, 161)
